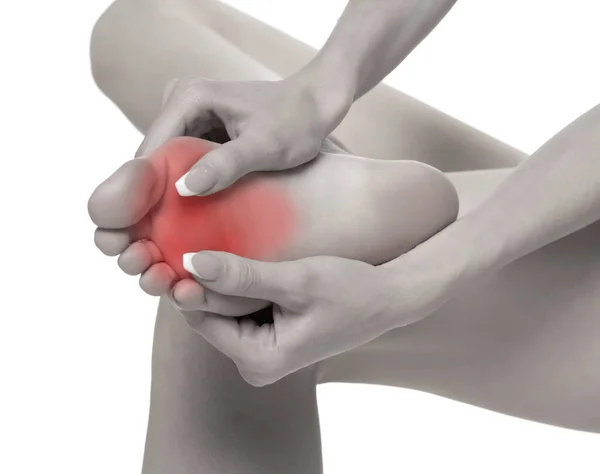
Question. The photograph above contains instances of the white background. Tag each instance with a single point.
(75, 333)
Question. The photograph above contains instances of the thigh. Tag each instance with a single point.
(524, 341)
(205, 418)
(139, 45)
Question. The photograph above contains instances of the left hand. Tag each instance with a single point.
(322, 306)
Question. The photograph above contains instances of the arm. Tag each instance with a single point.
(276, 125)
(553, 193)
(328, 305)
(371, 38)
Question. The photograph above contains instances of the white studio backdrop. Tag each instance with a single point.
(76, 333)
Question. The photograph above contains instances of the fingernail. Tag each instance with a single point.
(196, 181)
(182, 189)
(209, 265)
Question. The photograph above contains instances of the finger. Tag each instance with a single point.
(223, 333)
(281, 283)
(180, 111)
(253, 348)
(223, 166)
(188, 295)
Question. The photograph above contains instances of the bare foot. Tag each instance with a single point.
(338, 204)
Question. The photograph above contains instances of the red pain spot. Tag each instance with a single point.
(252, 218)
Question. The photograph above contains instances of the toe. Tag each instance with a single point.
(111, 242)
(158, 279)
(139, 256)
(126, 196)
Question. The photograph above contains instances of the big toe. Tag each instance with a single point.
(126, 196)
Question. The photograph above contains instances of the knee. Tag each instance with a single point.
(115, 40)
(122, 58)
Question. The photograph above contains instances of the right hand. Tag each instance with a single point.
(273, 125)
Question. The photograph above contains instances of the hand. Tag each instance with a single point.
(322, 306)
(273, 125)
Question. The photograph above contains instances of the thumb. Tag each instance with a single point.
(222, 167)
(228, 274)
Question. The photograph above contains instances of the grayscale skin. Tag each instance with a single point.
(523, 341)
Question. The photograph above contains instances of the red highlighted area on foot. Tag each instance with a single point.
(252, 218)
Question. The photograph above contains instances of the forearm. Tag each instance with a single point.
(553, 193)
(370, 39)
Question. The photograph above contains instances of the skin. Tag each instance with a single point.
(326, 199)
(520, 341)
(241, 51)
(348, 294)
(281, 124)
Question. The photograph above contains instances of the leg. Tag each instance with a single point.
(311, 210)
(524, 342)
(139, 45)
(205, 418)
(184, 428)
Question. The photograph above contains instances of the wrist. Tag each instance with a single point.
(332, 91)
(425, 278)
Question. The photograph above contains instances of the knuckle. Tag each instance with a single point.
(306, 280)
(269, 148)
(262, 367)
(181, 86)
(239, 157)
(265, 142)
(192, 88)
(246, 277)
